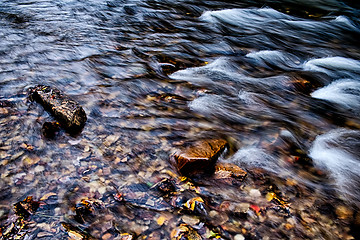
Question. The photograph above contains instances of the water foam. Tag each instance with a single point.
(220, 67)
(345, 92)
(338, 153)
(241, 16)
(206, 104)
(279, 59)
(253, 157)
(330, 65)
(218, 106)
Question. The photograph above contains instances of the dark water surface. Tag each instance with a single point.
(280, 80)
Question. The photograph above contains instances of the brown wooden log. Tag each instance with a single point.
(67, 112)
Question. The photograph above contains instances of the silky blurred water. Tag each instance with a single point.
(275, 78)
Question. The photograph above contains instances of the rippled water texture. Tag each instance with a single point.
(278, 79)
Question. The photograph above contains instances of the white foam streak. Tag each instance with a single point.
(333, 152)
(239, 16)
(332, 63)
(346, 22)
(278, 58)
(345, 92)
(206, 104)
(254, 157)
(198, 74)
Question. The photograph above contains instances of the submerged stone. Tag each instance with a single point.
(166, 186)
(26, 207)
(196, 205)
(69, 113)
(185, 232)
(86, 210)
(229, 170)
(200, 157)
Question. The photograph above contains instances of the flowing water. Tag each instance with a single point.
(278, 79)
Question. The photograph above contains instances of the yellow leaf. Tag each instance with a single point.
(46, 196)
(161, 220)
(270, 196)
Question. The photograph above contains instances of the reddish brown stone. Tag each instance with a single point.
(200, 157)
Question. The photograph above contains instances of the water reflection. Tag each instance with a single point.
(279, 81)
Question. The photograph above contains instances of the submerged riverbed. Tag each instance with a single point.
(279, 80)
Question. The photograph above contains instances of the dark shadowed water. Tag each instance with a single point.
(280, 80)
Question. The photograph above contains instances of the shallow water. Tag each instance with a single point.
(278, 79)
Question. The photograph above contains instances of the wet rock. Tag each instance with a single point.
(166, 186)
(199, 158)
(196, 205)
(86, 210)
(185, 232)
(69, 113)
(26, 207)
(19, 226)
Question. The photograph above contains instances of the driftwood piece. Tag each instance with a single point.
(200, 157)
(67, 112)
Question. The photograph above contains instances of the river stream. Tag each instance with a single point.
(279, 80)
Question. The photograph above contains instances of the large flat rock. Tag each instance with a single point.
(200, 157)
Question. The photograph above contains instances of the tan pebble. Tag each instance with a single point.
(106, 236)
(29, 177)
(108, 217)
(288, 226)
(4, 162)
(110, 140)
(3, 111)
(344, 212)
(239, 237)
(44, 234)
(86, 148)
(213, 213)
(242, 207)
(190, 220)
(29, 161)
(75, 236)
(57, 211)
(102, 190)
(39, 168)
(44, 226)
(255, 193)
(291, 221)
(117, 160)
